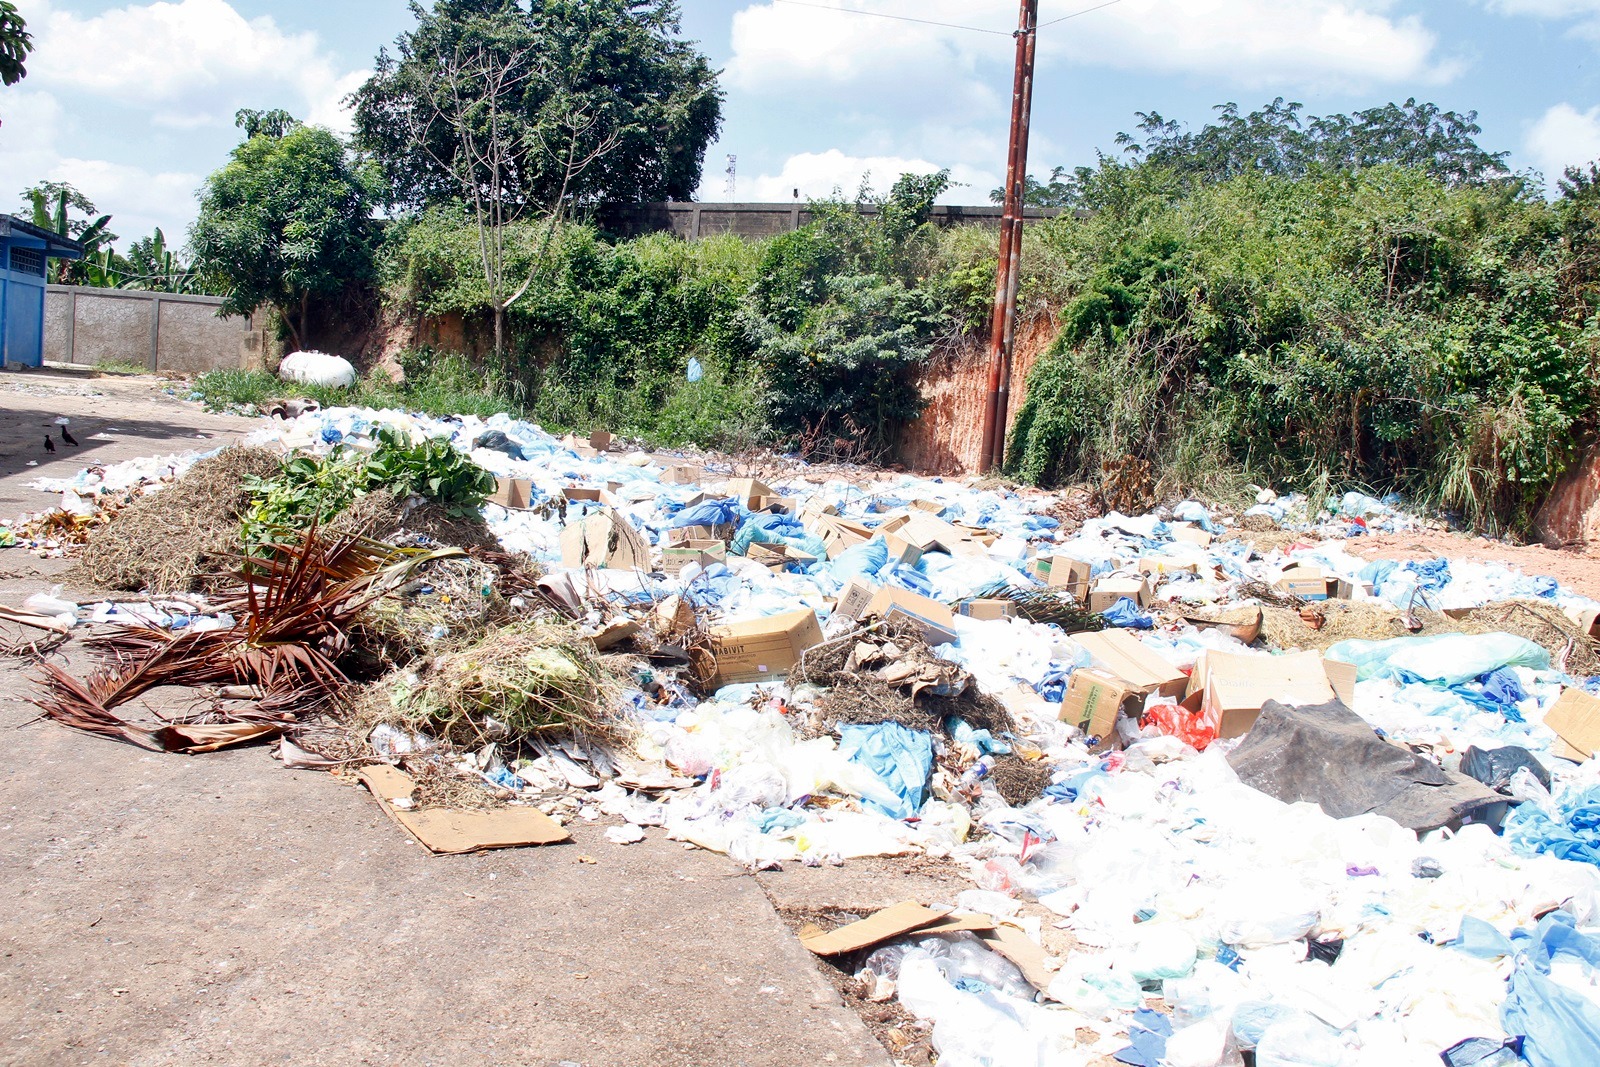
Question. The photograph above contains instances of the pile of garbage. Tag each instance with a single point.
(1216, 800)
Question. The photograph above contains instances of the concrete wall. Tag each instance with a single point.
(695, 220)
(158, 331)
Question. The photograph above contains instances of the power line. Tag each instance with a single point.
(897, 18)
(1085, 11)
(945, 25)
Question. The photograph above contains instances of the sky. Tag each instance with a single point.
(133, 102)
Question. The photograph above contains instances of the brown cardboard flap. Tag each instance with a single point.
(450, 833)
(970, 922)
(605, 539)
(1235, 686)
(511, 492)
(933, 620)
(880, 926)
(1021, 950)
(1125, 656)
(1575, 718)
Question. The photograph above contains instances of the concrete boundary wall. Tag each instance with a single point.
(158, 331)
(693, 220)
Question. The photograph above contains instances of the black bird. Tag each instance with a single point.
(67, 437)
(49, 445)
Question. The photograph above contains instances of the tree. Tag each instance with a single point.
(604, 80)
(285, 221)
(1276, 140)
(15, 44)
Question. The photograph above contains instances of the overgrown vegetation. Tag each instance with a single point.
(1371, 327)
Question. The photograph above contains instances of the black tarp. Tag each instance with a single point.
(1328, 755)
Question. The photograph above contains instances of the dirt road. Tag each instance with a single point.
(220, 909)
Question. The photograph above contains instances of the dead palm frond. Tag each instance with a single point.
(295, 608)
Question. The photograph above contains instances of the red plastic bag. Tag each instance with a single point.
(1193, 728)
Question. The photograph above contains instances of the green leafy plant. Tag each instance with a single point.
(430, 467)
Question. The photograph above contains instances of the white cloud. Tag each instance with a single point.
(1302, 43)
(817, 174)
(181, 59)
(1545, 9)
(177, 68)
(1564, 137)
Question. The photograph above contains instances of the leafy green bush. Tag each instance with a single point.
(1377, 328)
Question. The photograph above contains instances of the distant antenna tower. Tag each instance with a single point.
(733, 177)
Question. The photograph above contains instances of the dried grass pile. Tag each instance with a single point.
(517, 682)
(182, 537)
(888, 673)
(382, 516)
(1018, 780)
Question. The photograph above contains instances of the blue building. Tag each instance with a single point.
(25, 252)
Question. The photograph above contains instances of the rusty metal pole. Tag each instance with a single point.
(1010, 232)
(1002, 420)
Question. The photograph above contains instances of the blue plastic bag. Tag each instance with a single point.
(902, 758)
(710, 513)
(696, 372)
(860, 561)
(1125, 614)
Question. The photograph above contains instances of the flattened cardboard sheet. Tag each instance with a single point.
(450, 833)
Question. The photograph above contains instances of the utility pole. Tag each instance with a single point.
(1002, 333)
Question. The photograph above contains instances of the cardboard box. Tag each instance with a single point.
(601, 441)
(932, 507)
(682, 474)
(934, 621)
(582, 449)
(1094, 699)
(840, 534)
(1190, 534)
(1124, 656)
(1344, 590)
(816, 508)
(703, 552)
(512, 492)
(682, 535)
(902, 551)
(752, 493)
(1575, 718)
(988, 609)
(1233, 687)
(776, 556)
(604, 540)
(1064, 572)
(854, 598)
(575, 493)
(762, 650)
(1307, 583)
(1105, 592)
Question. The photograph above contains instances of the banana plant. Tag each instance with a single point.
(95, 237)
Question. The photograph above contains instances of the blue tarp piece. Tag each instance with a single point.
(860, 561)
(1575, 835)
(1147, 1039)
(900, 757)
(710, 513)
(695, 372)
(1445, 660)
(1125, 615)
(1559, 1028)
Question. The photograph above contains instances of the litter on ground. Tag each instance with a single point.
(1222, 787)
